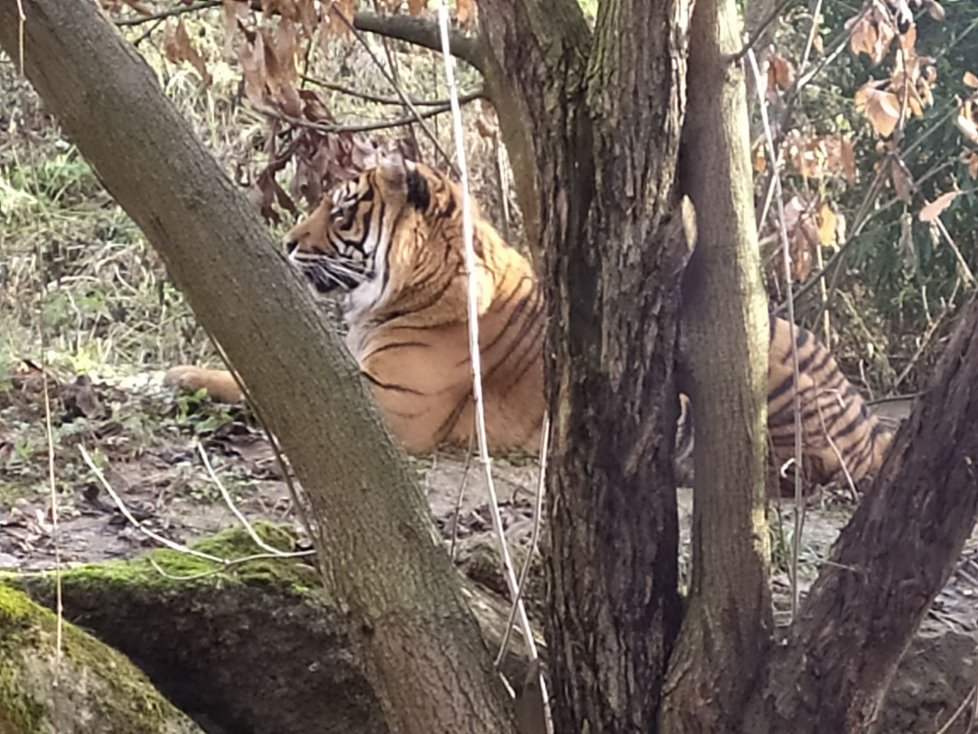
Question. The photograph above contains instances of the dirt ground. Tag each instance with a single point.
(146, 440)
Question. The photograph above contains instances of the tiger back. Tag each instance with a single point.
(842, 439)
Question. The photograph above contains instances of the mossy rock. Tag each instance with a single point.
(78, 686)
(246, 648)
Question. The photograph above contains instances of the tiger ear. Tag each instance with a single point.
(418, 193)
(403, 179)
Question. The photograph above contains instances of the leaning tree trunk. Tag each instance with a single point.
(600, 119)
(727, 625)
(889, 563)
(420, 644)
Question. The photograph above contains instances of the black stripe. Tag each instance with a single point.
(394, 345)
(384, 386)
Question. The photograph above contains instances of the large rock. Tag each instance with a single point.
(73, 686)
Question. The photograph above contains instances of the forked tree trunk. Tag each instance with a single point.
(727, 626)
(420, 644)
(889, 563)
(602, 117)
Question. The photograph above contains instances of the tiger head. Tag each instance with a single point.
(346, 242)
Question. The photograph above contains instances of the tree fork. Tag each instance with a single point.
(421, 647)
(888, 564)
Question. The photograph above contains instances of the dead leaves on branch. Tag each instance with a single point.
(908, 90)
(269, 39)
(177, 47)
(967, 124)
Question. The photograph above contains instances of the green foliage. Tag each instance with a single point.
(901, 275)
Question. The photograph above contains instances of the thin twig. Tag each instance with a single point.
(760, 30)
(55, 530)
(461, 494)
(21, 22)
(962, 263)
(473, 323)
(534, 538)
(796, 377)
(169, 13)
(172, 545)
(419, 117)
(972, 696)
(377, 99)
(359, 127)
(277, 552)
(812, 32)
(928, 335)
(300, 507)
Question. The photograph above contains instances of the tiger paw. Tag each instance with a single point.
(220, 385)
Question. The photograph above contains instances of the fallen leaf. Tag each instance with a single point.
(902, 184)
(828, 223)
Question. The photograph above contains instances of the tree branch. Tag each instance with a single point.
(888, 564)
(417, 31)
(422, 33)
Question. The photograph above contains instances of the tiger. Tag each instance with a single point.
(391, 239)
(843, 441)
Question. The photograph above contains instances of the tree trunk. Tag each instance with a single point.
(727, 625)
(602, 119)
(889, 563)
(406, 613)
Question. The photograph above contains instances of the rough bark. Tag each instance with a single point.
(600, 121)
(421, 647)
(888, 564)
(725, 343)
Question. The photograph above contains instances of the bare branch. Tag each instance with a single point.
(422, 33)
(400, 27)
(376, 99)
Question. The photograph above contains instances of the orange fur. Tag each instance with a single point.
(393, 238)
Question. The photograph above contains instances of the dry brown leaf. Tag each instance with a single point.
(139, 7)
(967, 126)
(252, 58)
(340, 18)
(902, 184)
(758, 157)
(781, 72)
(970, 80)
(828, 224)
(177, 47)
(933, 209)
(416, 6)
(880, 107)
(465, 11)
